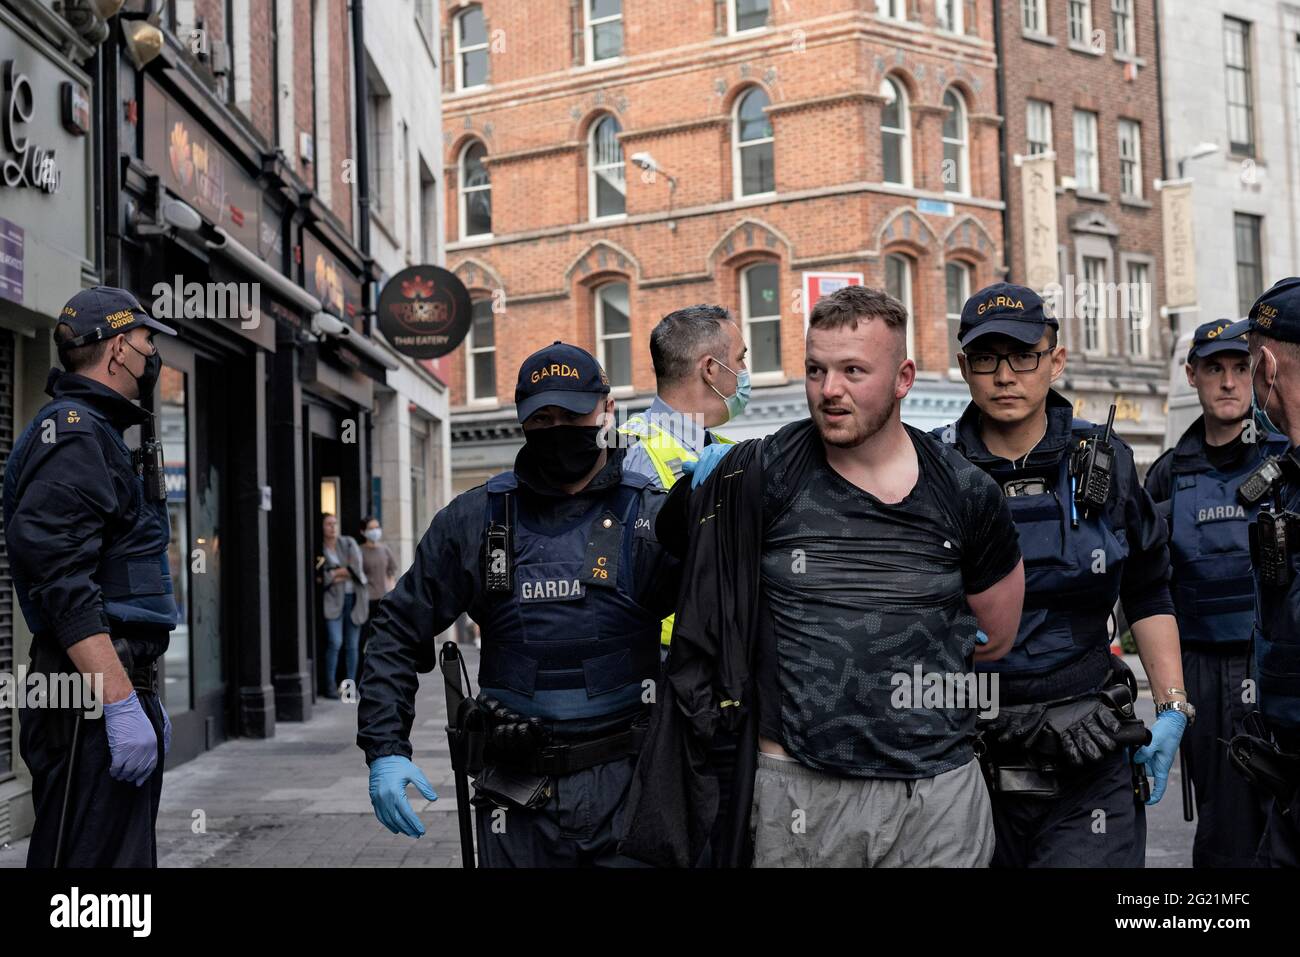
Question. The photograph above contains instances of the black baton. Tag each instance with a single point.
(67, 791)
(453, 665)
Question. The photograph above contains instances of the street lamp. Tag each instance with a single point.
(1198, 151)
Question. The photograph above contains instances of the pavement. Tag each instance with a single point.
(300, 799)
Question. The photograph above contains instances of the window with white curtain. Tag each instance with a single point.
(1130, 159)
(1038, 126)
(1125, 31)
(1139, 308)
(1033, 16)
(607, 187)
(894, 9)
(1086, 173)
(1080, 21)
(1094, 306)
(950, 14)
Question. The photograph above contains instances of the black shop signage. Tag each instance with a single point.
(424, 311)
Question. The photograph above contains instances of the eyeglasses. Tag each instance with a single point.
(986, 363)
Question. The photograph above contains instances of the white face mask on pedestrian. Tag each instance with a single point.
(374, 534)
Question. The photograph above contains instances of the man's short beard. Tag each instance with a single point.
(873, 425)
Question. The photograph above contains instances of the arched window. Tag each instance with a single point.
(760, 310)
(471, 48)
(752, 145)
(957, 290)
(956, 174)
(481, 369)
(898, 283)
(614, 333)
(475, 192)
(895, 145)
(606, 187)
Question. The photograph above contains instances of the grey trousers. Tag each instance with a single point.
(805, 818)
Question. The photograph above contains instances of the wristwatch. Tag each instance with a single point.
(1185, 707)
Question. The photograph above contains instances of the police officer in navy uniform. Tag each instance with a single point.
(1062, 747)
(87, 543)
(557, 562)
(1194, 486)
(1268, 752)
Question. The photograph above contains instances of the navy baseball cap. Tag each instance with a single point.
(562, 375)
(102, 312)
(1004, 309)
(1276, 313)
(1218, 336)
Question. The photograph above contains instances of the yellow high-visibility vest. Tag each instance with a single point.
(667, 456)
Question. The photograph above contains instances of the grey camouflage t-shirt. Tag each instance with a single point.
(861, 592)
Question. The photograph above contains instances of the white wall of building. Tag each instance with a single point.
(406, 230)
(1196, 111)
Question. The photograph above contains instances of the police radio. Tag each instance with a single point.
(148, 462)
(1091, 471)
(1260, 481)
(497, 552)
(1273, 535)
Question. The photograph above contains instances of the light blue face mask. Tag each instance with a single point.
(1257, 408)
(735, 403)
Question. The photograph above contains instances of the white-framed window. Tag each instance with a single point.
(893, 9)
(760, 310)
(383, 200)
(475, 192)
(956, 277)
(898, 283)
(1241, 95)
(481, 369)
(1125, 29)
(1093, 320)
(956, 167)
(1038, 126)
(752, 145)
(606, 184)
(1130, 158)
(470, 33)
(614, 333)
(746, 15)
(949, 13)
(604, 30)
(895, 143)
(1139, 308)
(1086, 173)
(1080, 21)
(1033, 16)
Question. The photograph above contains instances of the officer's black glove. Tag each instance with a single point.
(1015, 726)
(1090, 738)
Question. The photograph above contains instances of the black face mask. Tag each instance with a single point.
(146, 381)
(559, 455)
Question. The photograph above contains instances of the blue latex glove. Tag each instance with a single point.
(389, 777)
(1160, 753)
(132, 741)
(167, 729)
(710, 456)
(980, 637)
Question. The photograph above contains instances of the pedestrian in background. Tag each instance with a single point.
(346, 602)
(380, 565)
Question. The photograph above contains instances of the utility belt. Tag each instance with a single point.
(1033, 750)
(1270, 765)
(514, 759)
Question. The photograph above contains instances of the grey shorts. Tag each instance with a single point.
(805, 818)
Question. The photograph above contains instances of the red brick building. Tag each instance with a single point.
(774, 140)
(1081, 78)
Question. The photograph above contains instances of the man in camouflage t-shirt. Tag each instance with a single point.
(884, 558)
